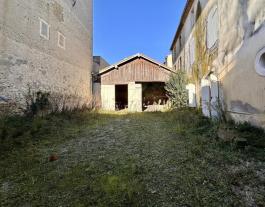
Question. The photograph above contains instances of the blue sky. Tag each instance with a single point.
(126, 27)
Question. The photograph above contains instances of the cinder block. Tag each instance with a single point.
(135, 97)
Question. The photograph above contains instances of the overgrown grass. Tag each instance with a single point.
(149, 159)
(19, 131)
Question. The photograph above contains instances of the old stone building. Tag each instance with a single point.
(221, 46)
(99, 63)
(46, 45)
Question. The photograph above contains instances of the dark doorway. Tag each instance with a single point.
(121, 97)
(154, 94)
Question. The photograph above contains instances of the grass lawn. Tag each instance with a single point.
(149, 159)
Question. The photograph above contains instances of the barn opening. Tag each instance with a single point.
(134, 83)
(121, 97)
(154, 95)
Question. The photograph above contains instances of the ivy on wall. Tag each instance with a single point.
(204, 57)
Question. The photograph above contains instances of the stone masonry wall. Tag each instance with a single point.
(29, 60)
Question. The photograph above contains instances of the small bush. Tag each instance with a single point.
(37, 102)
(44, 103)
(176, 90)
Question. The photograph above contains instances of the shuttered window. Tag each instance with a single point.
(192, 51)
(212, 27)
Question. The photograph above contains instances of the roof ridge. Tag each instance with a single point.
(115, 65)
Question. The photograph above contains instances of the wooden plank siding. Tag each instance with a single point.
(137, 70)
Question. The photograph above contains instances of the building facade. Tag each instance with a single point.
(221, 46)
(99, 63)
(136, 83)
(46, 45)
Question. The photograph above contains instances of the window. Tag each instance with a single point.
(174, 54)
(61, 40)
(212, 27)
(260, 62)
(44, 29)
(192, 17)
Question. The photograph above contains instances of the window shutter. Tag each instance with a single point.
(212, 27)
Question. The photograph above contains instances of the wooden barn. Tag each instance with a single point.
(135, 83)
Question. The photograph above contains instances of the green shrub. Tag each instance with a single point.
(176, 90)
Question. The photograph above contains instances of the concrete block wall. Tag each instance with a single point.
(108, 97)
(135, 97)
(29, 60)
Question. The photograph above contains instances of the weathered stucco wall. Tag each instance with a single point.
(243, 87)
(241, 32)
(27, 59)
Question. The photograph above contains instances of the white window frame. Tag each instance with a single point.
(64, 40)
(48, 29)
(259, 63)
